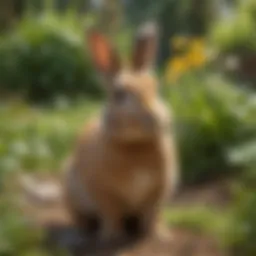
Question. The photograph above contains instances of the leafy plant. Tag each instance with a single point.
(46, 57)
(212, 117)
(237, 34)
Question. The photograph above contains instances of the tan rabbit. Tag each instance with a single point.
(124, 165)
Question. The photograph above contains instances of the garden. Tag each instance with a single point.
(207, 66)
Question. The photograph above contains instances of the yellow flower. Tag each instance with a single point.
(193, 56)
(176, 67)
(197, 55)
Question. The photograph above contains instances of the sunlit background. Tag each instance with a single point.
(207, 67)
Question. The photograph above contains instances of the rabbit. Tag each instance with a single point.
(124, 165)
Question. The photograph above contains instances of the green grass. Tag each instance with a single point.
(39, 138)
(202, 219)
(32, 140)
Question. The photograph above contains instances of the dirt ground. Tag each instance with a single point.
(176, 242)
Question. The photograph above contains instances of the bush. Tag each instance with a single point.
(238, 34)
(212, 117)
(235, 39)
(44, 58)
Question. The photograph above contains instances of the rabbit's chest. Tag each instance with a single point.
(136, 186)
(134, 178)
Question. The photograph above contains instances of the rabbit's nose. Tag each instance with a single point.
(120, 96)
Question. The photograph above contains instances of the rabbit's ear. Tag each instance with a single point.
(103, 54)
(145, 47)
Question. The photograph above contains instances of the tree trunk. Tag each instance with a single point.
(7, 14)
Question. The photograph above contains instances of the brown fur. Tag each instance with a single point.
(116, 176)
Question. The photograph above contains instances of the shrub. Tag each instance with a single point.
(44, 58)
(212, 117)
(235, 39)
(237, 34)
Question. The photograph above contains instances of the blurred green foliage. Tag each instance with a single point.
(212, 117)
(192, 18)
(235, 39)
(39, 139)
(46, 57)
(33, 140)
(237, 34)
(17, 237)
(183, 17)
(200, 219)
(215, 128)
(244, 225)
(244, 205)
(217, 136)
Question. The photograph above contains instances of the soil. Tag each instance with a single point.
(174, 242)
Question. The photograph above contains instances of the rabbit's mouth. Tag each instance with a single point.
(130, 129)
(131, 136)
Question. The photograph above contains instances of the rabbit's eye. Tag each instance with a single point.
(120, 95)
